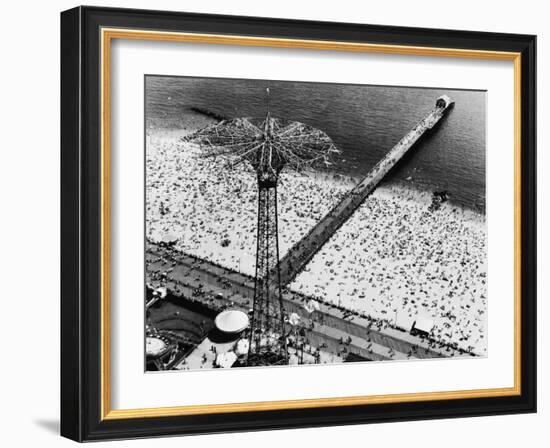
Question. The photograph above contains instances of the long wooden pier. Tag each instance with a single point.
(303, 251)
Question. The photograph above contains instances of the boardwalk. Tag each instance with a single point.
(304, 250)
(217, 288)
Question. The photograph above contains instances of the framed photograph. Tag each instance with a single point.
(276, 224)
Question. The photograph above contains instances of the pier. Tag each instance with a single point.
(304, 250)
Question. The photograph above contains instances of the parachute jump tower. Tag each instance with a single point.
(267, 145)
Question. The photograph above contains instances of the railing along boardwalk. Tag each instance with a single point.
(303, 251)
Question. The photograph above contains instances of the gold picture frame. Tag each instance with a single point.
(106, 32)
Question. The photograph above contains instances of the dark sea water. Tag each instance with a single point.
(363, 121)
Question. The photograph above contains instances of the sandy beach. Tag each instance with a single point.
(213, 213)
(393, 260)
(397, 261)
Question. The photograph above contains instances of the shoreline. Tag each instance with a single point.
(194, 118)
(387, 189)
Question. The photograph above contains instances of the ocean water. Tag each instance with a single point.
(364, 121)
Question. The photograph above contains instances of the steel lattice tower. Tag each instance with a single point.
(267, 335)
(267, 146)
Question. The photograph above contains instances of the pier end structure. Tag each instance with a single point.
(303, 251)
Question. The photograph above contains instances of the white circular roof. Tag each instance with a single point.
(231, 321)
(154, 346)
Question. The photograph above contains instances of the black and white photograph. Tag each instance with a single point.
(301, 223)
(275, 224)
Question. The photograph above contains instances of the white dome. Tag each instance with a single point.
(154, 346)
(231, 321)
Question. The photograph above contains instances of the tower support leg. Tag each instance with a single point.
(267, 332)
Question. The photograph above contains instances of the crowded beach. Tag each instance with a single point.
(394, 259)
